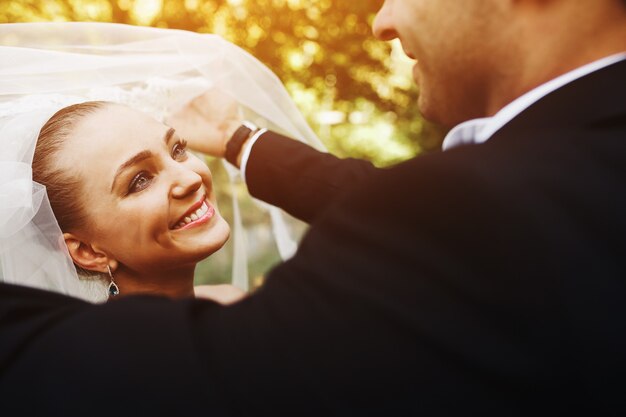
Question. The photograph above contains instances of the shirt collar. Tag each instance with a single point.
(477, 131)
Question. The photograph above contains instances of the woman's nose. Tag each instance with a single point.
(185, 182)
(383, 27)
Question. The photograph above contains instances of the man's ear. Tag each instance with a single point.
(86, 255)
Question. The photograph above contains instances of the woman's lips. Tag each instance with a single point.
(206, 214)
(197, 217)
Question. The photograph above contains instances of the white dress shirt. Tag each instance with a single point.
(480, 130)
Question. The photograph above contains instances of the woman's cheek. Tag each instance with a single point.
(149, 215)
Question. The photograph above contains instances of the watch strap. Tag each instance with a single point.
(234, 145)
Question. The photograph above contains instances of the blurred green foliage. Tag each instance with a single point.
(355, 91)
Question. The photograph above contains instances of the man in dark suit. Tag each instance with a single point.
(487, 279)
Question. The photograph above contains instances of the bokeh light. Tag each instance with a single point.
(356, 92)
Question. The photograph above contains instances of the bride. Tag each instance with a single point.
(91, 178)
(132, 202)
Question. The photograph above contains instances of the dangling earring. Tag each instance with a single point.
(113, 288)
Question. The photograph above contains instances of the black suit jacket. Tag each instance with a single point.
(486, 280)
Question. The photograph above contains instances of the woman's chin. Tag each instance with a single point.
(204, 242)
(183, 253)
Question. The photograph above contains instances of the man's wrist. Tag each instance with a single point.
(237, 141)
(246, 149)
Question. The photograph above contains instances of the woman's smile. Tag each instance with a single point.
(200, 213)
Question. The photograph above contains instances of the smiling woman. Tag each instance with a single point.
(97, 159)
(127, 195)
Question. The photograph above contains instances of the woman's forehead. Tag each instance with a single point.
(109, 136)
(119, 118)
(116, 126)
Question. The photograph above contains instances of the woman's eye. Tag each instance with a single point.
(179, 151)
(140, 182)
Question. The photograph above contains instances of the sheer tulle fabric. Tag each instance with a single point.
(47, 66)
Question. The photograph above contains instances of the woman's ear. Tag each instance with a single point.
(85, 255)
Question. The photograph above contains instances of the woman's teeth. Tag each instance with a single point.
(193, 216)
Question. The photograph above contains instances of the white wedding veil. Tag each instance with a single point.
(47, 66)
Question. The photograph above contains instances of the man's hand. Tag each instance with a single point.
(207, 122)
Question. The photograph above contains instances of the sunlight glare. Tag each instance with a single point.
(145, 11)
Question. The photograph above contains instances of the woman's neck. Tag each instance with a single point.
(174, 283)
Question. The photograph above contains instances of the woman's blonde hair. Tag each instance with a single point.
(61, 186)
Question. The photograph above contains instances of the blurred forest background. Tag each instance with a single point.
(356, 92)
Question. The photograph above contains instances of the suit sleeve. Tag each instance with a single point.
(299, 179)
(400, 301)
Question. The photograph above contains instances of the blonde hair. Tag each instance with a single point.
(61, 186)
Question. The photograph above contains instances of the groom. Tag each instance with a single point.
(487, 279)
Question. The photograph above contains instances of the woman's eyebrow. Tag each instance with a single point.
(168, 135)
(132, 161)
